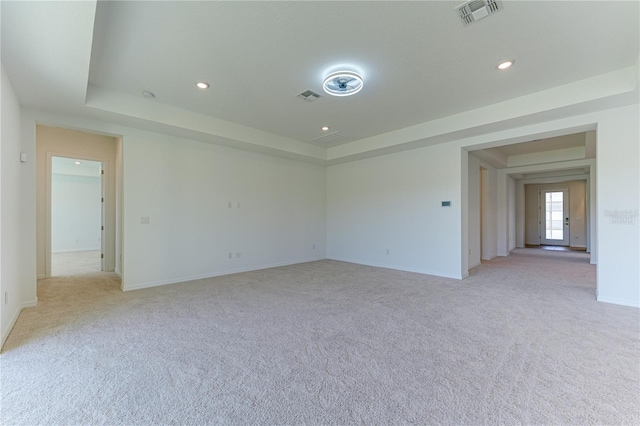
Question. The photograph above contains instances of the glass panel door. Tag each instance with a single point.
(554, 206)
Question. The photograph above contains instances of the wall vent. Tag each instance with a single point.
(333, 138)
(309, 95)
(475, 10)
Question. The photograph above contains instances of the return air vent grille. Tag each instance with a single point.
(475, 10)
(309, 95)
(333, 138)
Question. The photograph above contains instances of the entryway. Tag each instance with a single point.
(76, 199)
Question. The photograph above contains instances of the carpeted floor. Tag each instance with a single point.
(521, 341)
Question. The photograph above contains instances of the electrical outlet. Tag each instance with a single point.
(238, 255)
(6, 297)
(387, 251)
(145, 220)
(230, 255)
(314, 246)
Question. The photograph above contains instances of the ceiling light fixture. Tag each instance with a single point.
(342, 83)
(506, 64)
(202, 85)
(77, 163)
(148, 94)
(325, 128)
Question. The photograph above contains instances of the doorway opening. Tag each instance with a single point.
(77, 216)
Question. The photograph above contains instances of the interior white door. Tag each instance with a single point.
(554, 217)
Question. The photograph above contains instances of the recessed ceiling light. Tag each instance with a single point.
(148, 94)
(77, 162)
(325, 128)
(342, 83)
(202, 85)
(506, 64)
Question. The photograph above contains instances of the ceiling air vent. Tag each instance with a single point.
(309, 95)
(475, 10)
(330, 139)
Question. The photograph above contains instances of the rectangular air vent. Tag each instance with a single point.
(309, 95)
(475, 10)
(334, 138)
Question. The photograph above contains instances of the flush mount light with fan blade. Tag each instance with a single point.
(342, 83)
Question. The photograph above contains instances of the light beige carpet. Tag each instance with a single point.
(521, 341)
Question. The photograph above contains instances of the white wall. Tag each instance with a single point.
(394, 203)
(618, 188)
(204, 202)
(76, 212)
(11, 274)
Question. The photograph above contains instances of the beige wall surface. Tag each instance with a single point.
(577, 211)
(71, 143)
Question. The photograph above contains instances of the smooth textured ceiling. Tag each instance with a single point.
(68, 166)
(418, 61)
(575, 140)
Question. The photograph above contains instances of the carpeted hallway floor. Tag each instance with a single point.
(522, 340)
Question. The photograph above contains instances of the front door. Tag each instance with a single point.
(554, 217)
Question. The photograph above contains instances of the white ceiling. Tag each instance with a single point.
(68, 166)
(553, 147)
(575, 140)
(418, 61)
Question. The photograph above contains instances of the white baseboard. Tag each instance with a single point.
(215, 274)
(14, 318)
(417, 271)
(29, 304)
(623, 302)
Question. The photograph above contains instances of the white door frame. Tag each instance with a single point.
(47, 231)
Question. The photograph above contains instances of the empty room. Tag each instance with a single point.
(320, 212)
